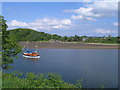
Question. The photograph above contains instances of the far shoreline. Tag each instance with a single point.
(67, 45)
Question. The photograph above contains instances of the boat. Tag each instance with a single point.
(30, 54)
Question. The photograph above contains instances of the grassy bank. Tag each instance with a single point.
(29, 80)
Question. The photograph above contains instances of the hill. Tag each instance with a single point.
(24, 34)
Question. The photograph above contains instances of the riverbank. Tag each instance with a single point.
(68, 45)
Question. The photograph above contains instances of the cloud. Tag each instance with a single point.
(104, 31)
(16, 23)
(95, 9)
(115, 23)
(105, 5)
(84, 13)
(40, 24)
(58, 26)
(90, 19)
(77, 17)
(87, 0)
(81, 10)
(105, 8)
(66, 22)
(80, 17)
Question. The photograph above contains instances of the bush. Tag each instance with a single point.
(30, 80)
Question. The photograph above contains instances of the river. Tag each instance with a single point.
(94, 67)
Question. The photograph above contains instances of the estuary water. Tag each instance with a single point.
(95, 67)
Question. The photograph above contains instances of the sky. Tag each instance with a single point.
(90, 18)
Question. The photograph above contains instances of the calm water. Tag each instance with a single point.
(94, 66)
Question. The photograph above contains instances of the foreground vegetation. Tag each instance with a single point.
(29, 80)
(10, 48)
(23, 34)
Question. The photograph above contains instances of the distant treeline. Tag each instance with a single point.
(23, 34)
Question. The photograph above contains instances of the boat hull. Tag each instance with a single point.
(31, 56)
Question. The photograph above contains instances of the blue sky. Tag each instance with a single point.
(63, 18)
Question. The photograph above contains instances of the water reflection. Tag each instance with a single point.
(32, 59)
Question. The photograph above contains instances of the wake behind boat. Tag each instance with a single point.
(30, 54)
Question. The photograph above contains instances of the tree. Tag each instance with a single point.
(76, 38)
(109, 38)
(64, 38)
(9, 47)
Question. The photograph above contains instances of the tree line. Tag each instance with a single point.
(24, 34)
